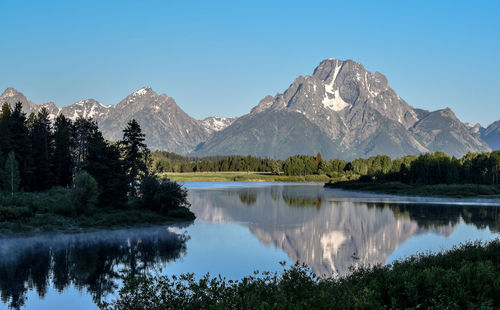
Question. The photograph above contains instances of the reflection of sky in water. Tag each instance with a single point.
(433, 242)
(242, 227)
(228, 249)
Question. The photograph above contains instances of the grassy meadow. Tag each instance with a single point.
(240, 177)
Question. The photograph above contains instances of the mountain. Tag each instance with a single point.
(491, 135)
(167, 127)
(87, 108)
(355, 109)
(12, 96)
(441, 130)
(215, 123)
(276, 134)
(341, 110)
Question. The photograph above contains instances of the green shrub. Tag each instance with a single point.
(182, 213)
(466, 277)
(164, 196)
(84, 193)
(14, 213)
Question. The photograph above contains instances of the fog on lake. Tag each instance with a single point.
(240, 227)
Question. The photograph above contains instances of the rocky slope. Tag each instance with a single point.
(359, 113)
(491, 135)
(215, 123)
(12, 96)
(166, 126)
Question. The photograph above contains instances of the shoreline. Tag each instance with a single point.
(241, 177)
(449, 191)
(90, 230)
(44, 223)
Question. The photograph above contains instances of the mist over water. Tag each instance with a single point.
(95, 261)
(240, 227)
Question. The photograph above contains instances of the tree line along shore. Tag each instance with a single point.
(64, 176)
(430, 174)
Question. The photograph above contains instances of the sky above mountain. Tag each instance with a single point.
(222, 57)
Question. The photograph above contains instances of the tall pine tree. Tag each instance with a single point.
(42, 148)
(5, 137)
(83, 131)
(61, 162)
(135, 154)
(21, 145)
(104, 164)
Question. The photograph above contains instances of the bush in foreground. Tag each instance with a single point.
(466, 277)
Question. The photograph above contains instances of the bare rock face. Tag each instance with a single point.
(442, 131)
(167, 127)
(12, 96)
(491, 135)
(215, 123)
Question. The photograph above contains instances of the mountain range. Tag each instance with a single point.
(341, 110)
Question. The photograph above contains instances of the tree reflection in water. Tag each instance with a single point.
(95, 261)
(331, 231)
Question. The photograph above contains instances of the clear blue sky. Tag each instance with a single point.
(222, 57)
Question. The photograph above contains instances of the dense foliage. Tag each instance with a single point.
(37, 154)
(467, 277)
(429, 168)
(298, 165)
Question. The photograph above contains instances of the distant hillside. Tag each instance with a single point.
(341, 110)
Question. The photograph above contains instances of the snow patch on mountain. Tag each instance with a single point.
(215, 123)
(335, 103)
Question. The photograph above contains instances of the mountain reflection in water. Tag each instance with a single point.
(240, 227)
(332, 235)
(95, 261)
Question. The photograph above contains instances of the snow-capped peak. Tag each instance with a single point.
(142, 91)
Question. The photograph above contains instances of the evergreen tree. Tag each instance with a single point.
(21, 145)
(83, 131)
(135, 153)
(10, 174)
(41, 148)
(104, 164)
(5, 137)
(62, 162)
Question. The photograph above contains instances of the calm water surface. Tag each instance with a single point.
(240, 227)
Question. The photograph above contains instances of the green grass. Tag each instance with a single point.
(438, 190)
(53, 211)
(466, 277)
(241, 177)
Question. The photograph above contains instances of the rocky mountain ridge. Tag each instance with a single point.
(341, 110)
(357, 110)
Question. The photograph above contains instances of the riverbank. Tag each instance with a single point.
(240, 177)
(438, 190)
(53, 211)
(464, 277)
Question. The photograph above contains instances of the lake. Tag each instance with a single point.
(240, 227)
